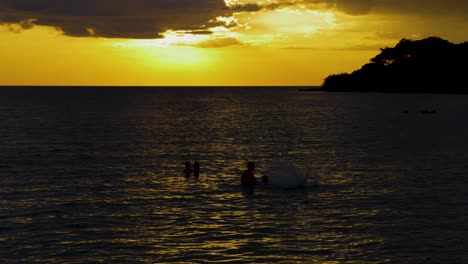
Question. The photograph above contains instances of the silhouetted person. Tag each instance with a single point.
(188, 169)
(196, 169)
(248, 177)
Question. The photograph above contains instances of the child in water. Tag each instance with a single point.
(196, 169)
(248, 177)
(188, 169)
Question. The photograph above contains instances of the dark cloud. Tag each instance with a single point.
(356, 7)
(149, 18)
(246, 8)
(363, 7)
(115, 18)
(407, 7)
(458, 8)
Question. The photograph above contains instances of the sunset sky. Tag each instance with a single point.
(209, 42)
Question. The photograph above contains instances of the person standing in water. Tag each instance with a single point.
(248, 177)
(188, 170)
(196, 170)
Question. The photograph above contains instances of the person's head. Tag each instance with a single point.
(251, 166)
(187, 164)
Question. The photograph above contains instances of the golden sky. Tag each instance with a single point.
(209, 42)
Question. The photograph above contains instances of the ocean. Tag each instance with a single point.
(94, 175)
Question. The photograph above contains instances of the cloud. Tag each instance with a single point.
(356, 7)
(218, 42)
(138, 19)
(148, 19)
(457, 8)
(405, 7)
(363, 7)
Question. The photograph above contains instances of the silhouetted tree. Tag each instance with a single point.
(429, 65)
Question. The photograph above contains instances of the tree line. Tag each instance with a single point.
(430, 65)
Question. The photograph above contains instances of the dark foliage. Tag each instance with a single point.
(431, 65)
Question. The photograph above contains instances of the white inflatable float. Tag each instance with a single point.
(287, 176)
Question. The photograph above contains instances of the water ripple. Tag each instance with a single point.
(94, 176)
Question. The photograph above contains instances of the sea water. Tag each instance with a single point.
(94, 175)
